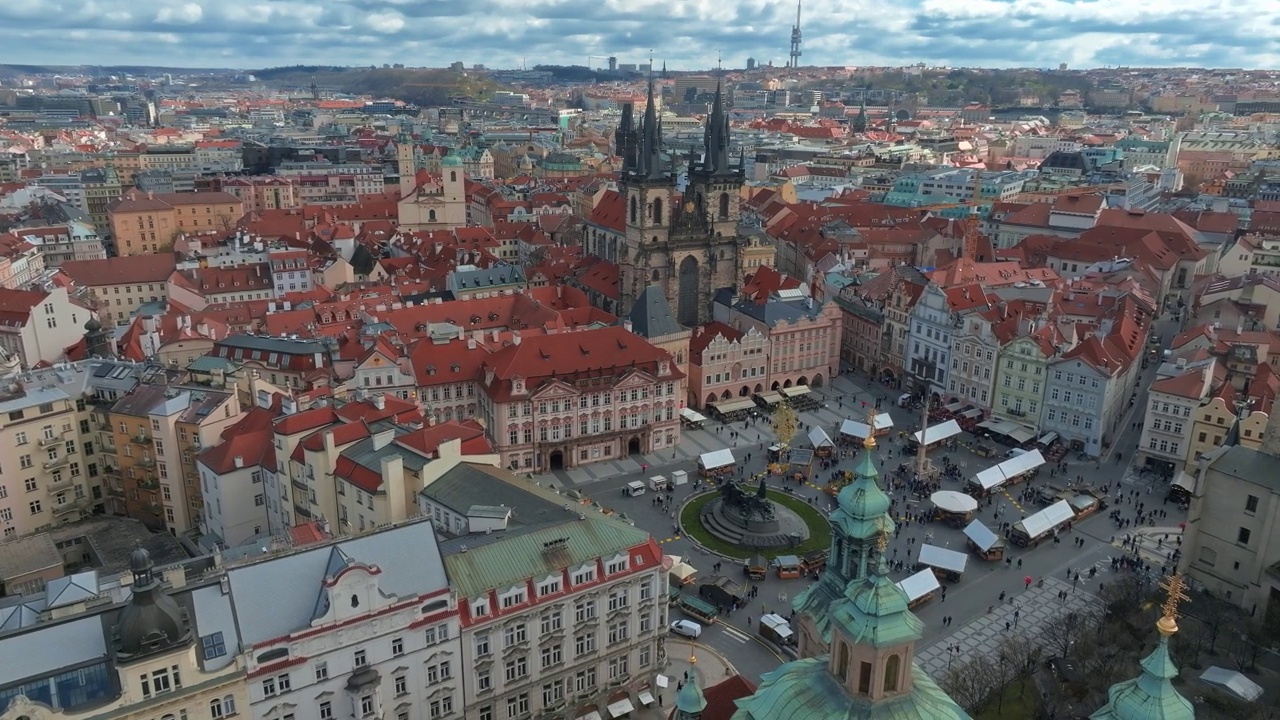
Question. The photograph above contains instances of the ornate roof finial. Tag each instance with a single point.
(1175, 586)
(882, 535)
(869, 442)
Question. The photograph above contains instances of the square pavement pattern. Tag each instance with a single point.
(982, 636)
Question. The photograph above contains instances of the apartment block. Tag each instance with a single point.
(38, 326)
(146, 222)
(117, 287)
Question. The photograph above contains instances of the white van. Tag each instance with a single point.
(904, 400)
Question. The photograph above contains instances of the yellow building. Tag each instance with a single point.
(118, 286)
(1211, 422)
(143, 222)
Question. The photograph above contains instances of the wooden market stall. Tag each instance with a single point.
(935, 435)
(788, 566)
(920, 587)
(952, 507)
(947, 564)
(985, 543)
(755, 567)
(821, 442)
(716, 463)
(1037, 527)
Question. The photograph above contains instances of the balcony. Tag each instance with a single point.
(115, 489)
(75, 506)
(46, 442)
(140, 439)
(155, 508)
(193, 445)
(56, 463)
(62, 485)
(148, 483)
(145, 462)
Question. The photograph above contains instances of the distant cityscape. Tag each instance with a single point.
(432, 393)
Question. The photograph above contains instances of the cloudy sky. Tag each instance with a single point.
(688, 34)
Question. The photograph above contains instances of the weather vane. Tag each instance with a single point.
(882, 538)
(869, 442)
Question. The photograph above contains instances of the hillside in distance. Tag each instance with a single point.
(423, 87)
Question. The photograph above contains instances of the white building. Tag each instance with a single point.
(39, 326)
(1166, 428)
(361, 628)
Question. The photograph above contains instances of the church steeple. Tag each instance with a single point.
(650, 165)
(717, 137)
(861, 515)
(1151, 696)
(624, 139)
(860, 120)
(690, 701)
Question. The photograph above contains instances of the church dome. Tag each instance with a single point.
(863, 499)
(152, 621)
(451, 161)
(93, 325)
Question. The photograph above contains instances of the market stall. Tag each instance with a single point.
(920, 587)
(788, 566)
(821, 441)
(936, 434)
(800, 397)
(984, 542)
(1014, 470)
(691, 418)
(1041, 525)
(767, 400)
(947, 564)
(716, 462)
(755, 567)
(732, 410)
(679, 569)
(954, 507)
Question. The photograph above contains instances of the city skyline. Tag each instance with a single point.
(691, 35)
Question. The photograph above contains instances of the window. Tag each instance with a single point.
(618, 599)
(550, 587)
(1242, 537)
(512, 600)
(401, 685)
(552, 655)
(483, 680)
(361, 659)
(583, 644)
(326, 710)
(514, 635)
(1251, 504)
(269, 687)
(397, 646)
(224, 707)
(617, 667)
(438, 672)
(35, 507)
(367, 706)
(550, 622)
(516, 668)
(322, 671)
(618, 631)
(616, 566)
(584, 610)
(584, 680)
(584, 576)
(213, 646)
(482, 645)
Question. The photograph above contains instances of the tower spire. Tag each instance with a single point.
(650, 165)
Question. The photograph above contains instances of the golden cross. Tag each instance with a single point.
(869, 442)
(1176, 587)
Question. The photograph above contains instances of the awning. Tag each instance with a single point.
(1021, 434)
(769, 398)
(645, 697)
(593, 715)
(1047, 519)
(731, 406)
(620, 708)
(691, 415)
(1048, 439)
(853, 428)
(716, 459)
(953, 502)
(797, 391)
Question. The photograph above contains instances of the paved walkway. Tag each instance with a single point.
(1155, 544)
(684, 656)
(1034, 608)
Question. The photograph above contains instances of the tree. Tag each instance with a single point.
(1061, 633)
(785, 422)
(969, 683)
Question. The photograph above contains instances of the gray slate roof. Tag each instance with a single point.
(651, 316)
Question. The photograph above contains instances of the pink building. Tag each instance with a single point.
(568, 399)
(725, 362)
(803, 335)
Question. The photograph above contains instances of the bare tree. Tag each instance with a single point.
(1062, 632)
(969, 682)
(1023, 655)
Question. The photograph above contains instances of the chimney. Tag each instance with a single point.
(380, 401)
(239, 461)
(626, 325)
(1240, 327)
(384, 438)
(515, 338)
(495, 335)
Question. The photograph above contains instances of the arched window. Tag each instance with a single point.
(843, 668)
(453, 176)
(655, 276)
(724, 206)
(633, 209)
(431, 215)
(215, 708)
(891, 672)
(657, 211)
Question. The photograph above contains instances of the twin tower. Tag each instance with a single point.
(684, 242)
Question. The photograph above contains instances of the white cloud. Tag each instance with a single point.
(185, 14)
(385, 22)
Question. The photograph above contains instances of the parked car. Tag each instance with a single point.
(687, 628)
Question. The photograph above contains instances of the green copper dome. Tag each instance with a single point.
(863, 506)
(1150, 696)
(451, 161)
(875, 612)
(690, 699)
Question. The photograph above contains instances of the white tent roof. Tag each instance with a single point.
(1024, 463)
(1047, 519)
(883, 421)
(819, 437)
(716, 459)
(954, 502)
(934, 556)
(853, 428)
(981, 535)
(692, 415)
(1233, 682)
(990, 478)
(920, 584)
(938, 433)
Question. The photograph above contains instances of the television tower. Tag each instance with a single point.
(795, 39)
